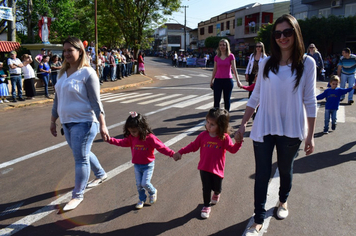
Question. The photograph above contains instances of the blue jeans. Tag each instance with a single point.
(45, 79)
(113, 73)
(16, 82)
(143, 175)
(350, 79)
(123, 70)
(223, 85)
(129, 69)
(80, 137)
(106, 73)
(329, 113)
(54, 78)
(287, 150)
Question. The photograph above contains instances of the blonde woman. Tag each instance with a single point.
(255, 59)
(29, 76)
(77, 104)
(221, 80)
(314, 53)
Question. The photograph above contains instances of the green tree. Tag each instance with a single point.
(264, 36)
(213, 42)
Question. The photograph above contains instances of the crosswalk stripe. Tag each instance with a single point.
(340, 115)
(192, 101)
(118, 96)
(143, 98)
(130, 96)
(176, 100)
(108, 94)
(160, 99)
(235, 105)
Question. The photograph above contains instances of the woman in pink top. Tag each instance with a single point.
(221, 81)
(138, 135)
(213, 144)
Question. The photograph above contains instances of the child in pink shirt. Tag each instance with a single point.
(213, 144)
(139, 136)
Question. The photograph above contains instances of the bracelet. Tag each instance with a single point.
(53, 122)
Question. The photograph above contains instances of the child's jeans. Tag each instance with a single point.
(329, 113)
(143, 174)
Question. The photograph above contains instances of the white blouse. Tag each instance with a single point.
(283, 109)
(28, 72)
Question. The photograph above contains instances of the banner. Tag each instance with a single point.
(191, 61)
(6, 13)
(201, 62)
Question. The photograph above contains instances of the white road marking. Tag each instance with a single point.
(143, 98)
(176, 88)
(130, 96)
(11, 209)
(117, 96)
(237, 104)
(176, 100)
(160, 99)
(193, 101)
(340, 115)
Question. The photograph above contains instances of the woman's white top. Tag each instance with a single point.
(78, 97)
(28, 72)
(283, 109)
(251, 61)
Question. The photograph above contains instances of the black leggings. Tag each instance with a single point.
(210, 182)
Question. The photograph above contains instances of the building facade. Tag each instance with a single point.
(171, 37)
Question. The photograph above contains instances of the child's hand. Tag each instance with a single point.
(354, 87)
(177, 156)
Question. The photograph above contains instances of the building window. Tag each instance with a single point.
(233, 24)
(227, 24)
(222, 26)
(301, 15)
(350, 10)
(324, 12)
(202, 31)
(210, 29)
(238, 21)
(174, 39)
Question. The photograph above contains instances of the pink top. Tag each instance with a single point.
(223, 67)
(212, 152)
(142, 150)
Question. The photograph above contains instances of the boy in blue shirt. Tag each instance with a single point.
(332, 96)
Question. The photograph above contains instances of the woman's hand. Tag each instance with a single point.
(212, 83)
(239, 134)
(53, 128)
(246, 77)
(239, 83)
(309, 145)
(104, 133)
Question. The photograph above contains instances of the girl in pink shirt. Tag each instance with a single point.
(213, 144)
(139, 136)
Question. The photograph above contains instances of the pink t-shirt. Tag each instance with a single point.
(223, 67)
(142, 150)
(212, 152)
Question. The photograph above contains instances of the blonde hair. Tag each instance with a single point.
(228, 52)
(25, 56)
(334, 78)
(78, 44)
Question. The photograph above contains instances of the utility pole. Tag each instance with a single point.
(11, 25)
(185, 28)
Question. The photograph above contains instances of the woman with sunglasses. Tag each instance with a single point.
(285, 93)
(252, 67)
(77, 104)
(314, 53)
(221, 80)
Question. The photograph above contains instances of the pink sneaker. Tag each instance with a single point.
(215, 199)
(205, 212)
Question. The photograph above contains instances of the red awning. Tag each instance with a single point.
(6, 46)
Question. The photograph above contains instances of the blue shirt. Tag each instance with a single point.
(348, 65)
(333, 97)
(45, 67)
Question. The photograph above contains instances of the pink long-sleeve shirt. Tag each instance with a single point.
(212, 152)
(142, 150)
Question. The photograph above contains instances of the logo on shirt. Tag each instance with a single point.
(212, 145)
(140, 148)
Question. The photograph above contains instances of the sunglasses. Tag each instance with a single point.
(258, 46)
(287, 33)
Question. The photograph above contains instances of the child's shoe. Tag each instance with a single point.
(333, 126)
(325, 131)
(215, 199)
(153, 198)
(205, 212)
(140, 204)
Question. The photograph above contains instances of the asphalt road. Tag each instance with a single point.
(37, 170)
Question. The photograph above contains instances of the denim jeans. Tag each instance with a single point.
(106, 73)
(129, 68)
(350, 79)
(287, 150)
(80, 137)
(16, 82)
(45, 79)
(225, 86)
(113, 73)
(329, 113)
(118, 71)
(210, 182)
(123, 70)
(54, 78)
(143, 175)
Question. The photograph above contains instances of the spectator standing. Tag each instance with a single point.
(285, 93)
(221, 80)
(29, 76)
(141, 63)
(107, 69)
(15, 66)
(45, 71)
(39, 57)
(123, 65)
(253, 64)
(347, 72)
(55, 65)
(4, 91)
(314, 53)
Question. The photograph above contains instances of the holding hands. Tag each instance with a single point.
(177, 156)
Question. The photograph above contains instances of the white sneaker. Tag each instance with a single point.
(153, 198)
(6, 101)
(282, 212)
(1, 102)
(205, 212)
(140, 204)
(97, 181)
(72, 204)
(253, 231)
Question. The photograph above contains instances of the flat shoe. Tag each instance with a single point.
(97, 181)
(253, 231)
(72, 204)
(282, 212)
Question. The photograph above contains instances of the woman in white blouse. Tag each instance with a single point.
(285, 93)
(77, 104)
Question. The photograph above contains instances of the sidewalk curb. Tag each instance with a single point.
(104, 90)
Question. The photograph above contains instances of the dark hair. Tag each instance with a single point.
(297, 52)
(139, 122)
(222, 118)
(347, 50)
